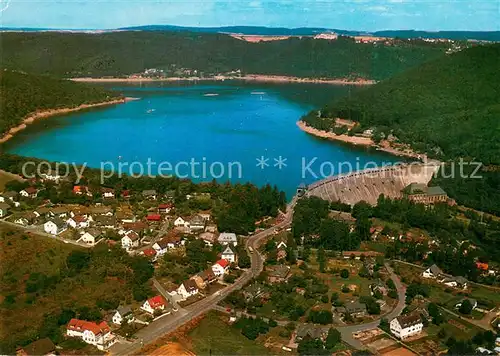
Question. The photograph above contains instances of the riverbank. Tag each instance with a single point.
(384, 146)
(52, 112)
(249, 77)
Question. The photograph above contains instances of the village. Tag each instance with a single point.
(302, 294)
(150, 228)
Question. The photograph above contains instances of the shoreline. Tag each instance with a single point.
(30, 118)
(358, 141)
(248, 77)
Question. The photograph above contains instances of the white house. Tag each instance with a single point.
(90, 237)
(98, 335)
(227, 238)
(51, 175)
(165, 208)
(405, 326)
(149, 194)
(281, 244)
(220, 267)
(161, 247)
(180, 222)
(457, 282)
(432, 272)
(130, 240)
(4, 209)
(30, 192)
(22, 221)
(187, 289)
(54, 226)
(108, 193)
(197, 223)
(229, 255)
(79, 222)
(154, 303)
(123, 314)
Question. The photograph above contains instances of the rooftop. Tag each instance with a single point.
(409, 320)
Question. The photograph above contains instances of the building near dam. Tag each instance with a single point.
(422, 194)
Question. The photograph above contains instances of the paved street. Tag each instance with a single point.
(347, 331)
(169, 323)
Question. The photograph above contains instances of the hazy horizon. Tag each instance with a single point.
(354, 15)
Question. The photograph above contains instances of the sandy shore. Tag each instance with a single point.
(48, 113)
(249, 77)
(360, 141)
(354, 140)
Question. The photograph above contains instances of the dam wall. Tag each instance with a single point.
(368, 184)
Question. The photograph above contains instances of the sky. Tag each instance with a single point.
(366, 15)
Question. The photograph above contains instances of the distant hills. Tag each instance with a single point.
(181, 53)
(448, 107)
(301, 31)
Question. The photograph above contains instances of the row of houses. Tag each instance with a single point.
(434, 272)
(200, 281)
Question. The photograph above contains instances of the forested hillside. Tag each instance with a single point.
(22, 94)
(124, 53)
(449, 107)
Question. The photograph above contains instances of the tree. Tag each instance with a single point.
(465, 307)
(332, 339)
(321, 259)
(323, 317)
(335, 296)
(442, 333)
(78, 260)
(308, 346)
(344, 273)
(384, 324)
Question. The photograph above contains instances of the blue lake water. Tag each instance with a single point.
(202, 131)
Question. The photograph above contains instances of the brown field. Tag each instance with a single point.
(171, 349)
(401, 351)
(7, 177)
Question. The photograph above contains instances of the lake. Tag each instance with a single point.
(229, 131)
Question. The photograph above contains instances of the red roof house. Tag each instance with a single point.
(149, 252)
(157, 301)
(153, 217)
(223, 263)
(482, 266)
(78, 325)
(153, 304)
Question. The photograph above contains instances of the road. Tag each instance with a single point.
(169, 323)
(347, 331)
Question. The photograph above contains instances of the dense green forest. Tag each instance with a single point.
(21, 94)
(448, 107)
(479, 190)
(124, 53)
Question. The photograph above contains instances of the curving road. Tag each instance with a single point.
(347, 331)
(169, 323)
